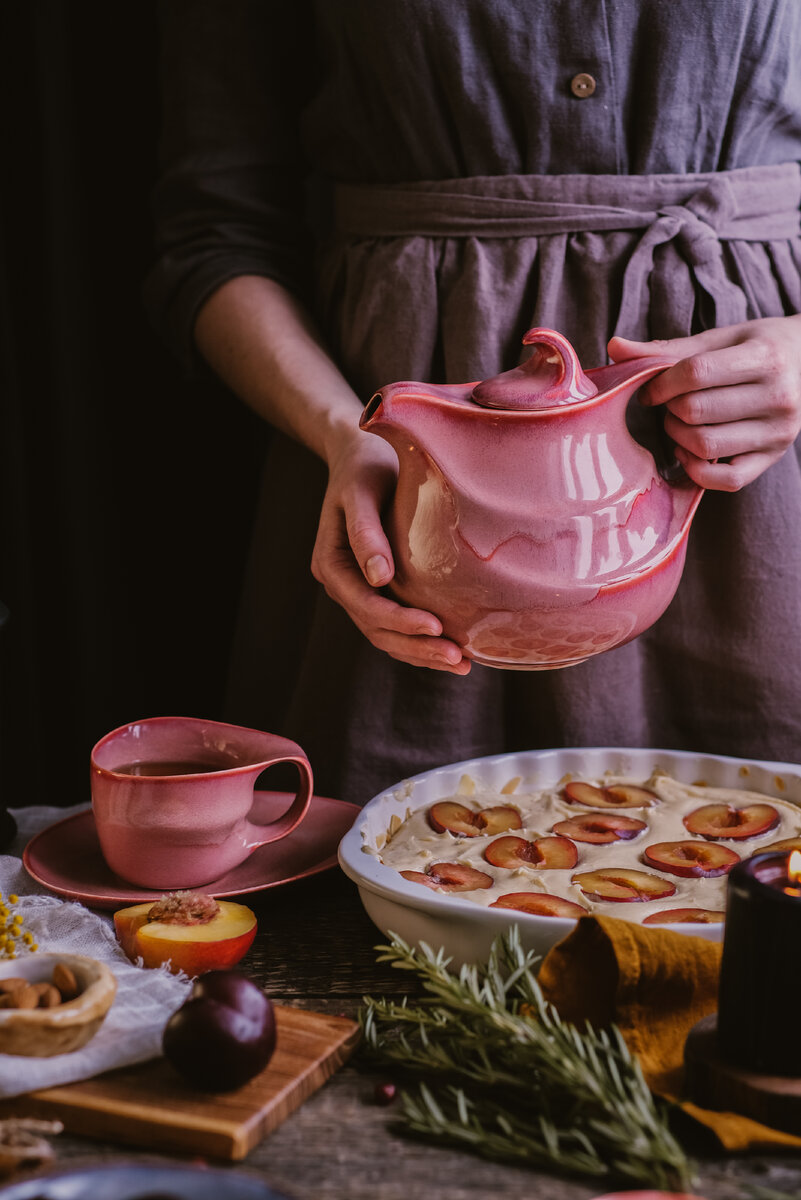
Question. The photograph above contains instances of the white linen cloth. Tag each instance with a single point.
(145, 998)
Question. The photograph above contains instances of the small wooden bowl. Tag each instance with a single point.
(42, 1032)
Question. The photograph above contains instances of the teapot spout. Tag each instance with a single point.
(401, 411)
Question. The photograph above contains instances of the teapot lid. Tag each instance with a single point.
(551, 377)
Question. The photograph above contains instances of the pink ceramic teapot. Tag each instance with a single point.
(526, 516)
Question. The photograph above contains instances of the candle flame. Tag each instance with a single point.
(794, 867)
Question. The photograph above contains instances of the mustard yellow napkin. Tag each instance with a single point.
(653, 984)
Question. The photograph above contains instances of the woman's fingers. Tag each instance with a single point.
(728, 438)
(363, 493)
(408, 634)
(732, 400)
(727, 476)
(621, 348)
(705, 361)
(372, 611)
(718, 405)
(336, 567)
(726, 367)
(352, 559)
(437, 654)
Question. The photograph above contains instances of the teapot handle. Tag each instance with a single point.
(550, 377)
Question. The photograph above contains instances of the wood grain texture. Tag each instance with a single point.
(315, 950)
(713, 1083)
(148, 1105)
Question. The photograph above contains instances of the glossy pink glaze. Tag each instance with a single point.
(539, 533)
(177, 831)
(66, 857)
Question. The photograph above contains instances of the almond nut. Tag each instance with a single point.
(24, 997)
(65, 981)
(11, 984)
(49, 996)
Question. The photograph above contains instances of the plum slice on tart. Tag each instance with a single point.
(623, 885)
(546, 852)
(726, 821)
(600, 828)
(684, 916)
(450, 877)
(693, 860)
(540, 904)
(615, 795)
(448, 816)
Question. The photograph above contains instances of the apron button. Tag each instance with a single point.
(582, 85)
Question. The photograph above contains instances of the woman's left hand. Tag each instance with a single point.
(733, 400)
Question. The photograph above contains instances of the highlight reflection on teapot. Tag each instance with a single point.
(526, 516)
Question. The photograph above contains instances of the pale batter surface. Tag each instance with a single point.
(416, 845)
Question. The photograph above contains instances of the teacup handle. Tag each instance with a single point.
(262, 835)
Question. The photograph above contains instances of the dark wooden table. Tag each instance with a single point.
(315, 950)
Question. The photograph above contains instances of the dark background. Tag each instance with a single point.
(127, 490)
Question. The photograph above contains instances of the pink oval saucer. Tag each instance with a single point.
(66, 859)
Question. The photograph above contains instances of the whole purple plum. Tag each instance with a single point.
(223, 1035)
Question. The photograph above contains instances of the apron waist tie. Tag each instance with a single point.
(685, 219)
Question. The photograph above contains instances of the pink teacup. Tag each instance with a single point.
(171, 797)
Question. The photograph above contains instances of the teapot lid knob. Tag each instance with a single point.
(550, 377)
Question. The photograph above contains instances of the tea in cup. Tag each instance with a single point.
(171, 798)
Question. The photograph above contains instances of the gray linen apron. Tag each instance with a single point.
(438, 282)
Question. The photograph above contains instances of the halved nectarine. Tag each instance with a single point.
(192, 932)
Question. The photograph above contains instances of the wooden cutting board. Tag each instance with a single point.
(147, 1105)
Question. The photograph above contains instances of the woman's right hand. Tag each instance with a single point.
(262, 342)
(352, 558)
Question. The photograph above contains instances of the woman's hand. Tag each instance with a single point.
(352, 558)
(262, 342)
(733, 400)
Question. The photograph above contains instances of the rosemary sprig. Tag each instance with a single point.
(505, 1076)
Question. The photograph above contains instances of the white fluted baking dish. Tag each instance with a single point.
(466, 929)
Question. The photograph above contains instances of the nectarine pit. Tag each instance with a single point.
(184, 908)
